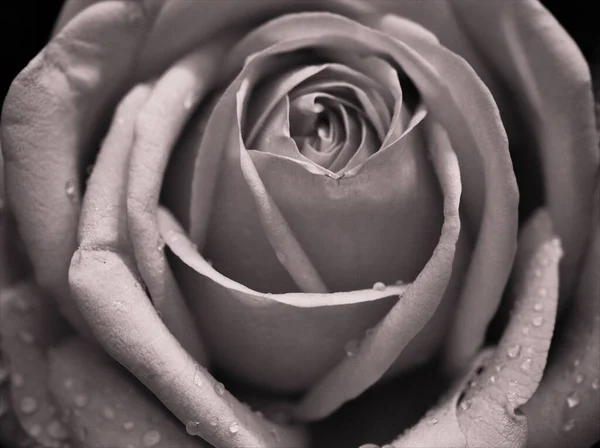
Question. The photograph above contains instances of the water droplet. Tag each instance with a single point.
(576, 362)
(28, 405)
(369, 445)
(526, 365)
(399, 283)
(234, 427)
(492, 379)
(189, 101)
(499, 367)
(569, 425)
(537, 273)
(465, 404)
(542, 292)
(525, 330)
(35, 430)
(433, 421)
(379, 286)
(351, 347)
(573, 400)
(108, 413)
(595, 384)
(128, 426)
(538, 306)
(160, 245)
(71, 189)
(27, 337)
(81, 400)
(17, 380)
(193, 428)
(579, 377)
(219, 389)
(68, 383)
(537, 321)
(57, 430)
(151, 438)
(213, 421)
(514, 351)
(472, 384)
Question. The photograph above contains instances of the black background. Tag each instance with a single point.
(25, 26)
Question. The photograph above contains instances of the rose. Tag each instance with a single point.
(81, 74)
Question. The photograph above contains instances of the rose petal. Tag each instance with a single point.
(29, 325)
(103, 407)
(49, 119)
(104, 281)
(565, 409)
(158, 127)
(414, 309)
(483, 414)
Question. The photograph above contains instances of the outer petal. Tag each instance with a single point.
(484, 414)
(565, 410)
(542, 85)
(104, 280)
(49, 120)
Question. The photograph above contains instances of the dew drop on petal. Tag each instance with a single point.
(537, 321)
(151, 438)
(28, 405)
(193, 428)
(71, 189)
(465, 404)
(57, 430)
(579, 377)
(128, 426)
(17, 380)
(433, 421)
(219, 389)
(595, 384)
(577, 362)
(514, 351)
(81, 400)
(569, 425)
(525, 330)
(542, 292)
(234, 427)
(351, 347)
(492, 379)
(379, 286)
(35, 430)
(499, 367)
(108, 413)
(160, 245)
(573, 400)
(68, 383)
(369, 445)
(189, 101)
(526, 365)
(198, 376)
(537, 273)
(213, 421)
(538, 306)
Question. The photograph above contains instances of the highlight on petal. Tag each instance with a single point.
(29, 325)
(103, 407)
(49, 123)
(482, 409)
(565, 409)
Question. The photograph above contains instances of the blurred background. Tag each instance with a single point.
(25, 26)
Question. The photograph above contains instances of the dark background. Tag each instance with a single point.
(25, 26)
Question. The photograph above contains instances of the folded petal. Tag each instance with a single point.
(105, 282)
(50, 119)
(565, 409)
(482, 411)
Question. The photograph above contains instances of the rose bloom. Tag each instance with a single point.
(297, 224)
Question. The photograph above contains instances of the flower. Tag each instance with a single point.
(334, 184)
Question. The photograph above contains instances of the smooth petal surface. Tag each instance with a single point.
(566, 408)
(49, 120)
(106, 285)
